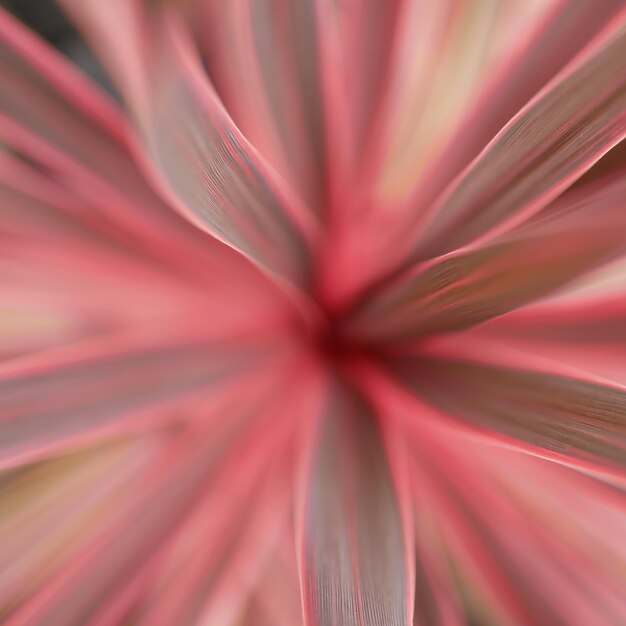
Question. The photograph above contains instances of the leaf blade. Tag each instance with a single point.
(353, 567)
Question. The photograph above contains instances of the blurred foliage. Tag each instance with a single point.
(45, 17)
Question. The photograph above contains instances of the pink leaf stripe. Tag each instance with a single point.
(63, 511)
(520, 577)
(589, 335)
(61, 253)
(352, 549)
(369, 31)
(582, 231)
(248, 508)
(324, 325)
(575, 120)
(55, 118)
(437, 600)
(201, 162)
(36, 212)
(100, 390)
(47, 95)
(119, 564)
(598, 321)
(273, 54)
(572, 416)
(474, 498)
(276, 600)
(565, 28)
(214, 171)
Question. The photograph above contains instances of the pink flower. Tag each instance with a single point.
(328, 327)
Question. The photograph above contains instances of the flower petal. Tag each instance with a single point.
(554, 139)
(353, 562)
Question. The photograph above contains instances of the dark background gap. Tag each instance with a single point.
(47, 20)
